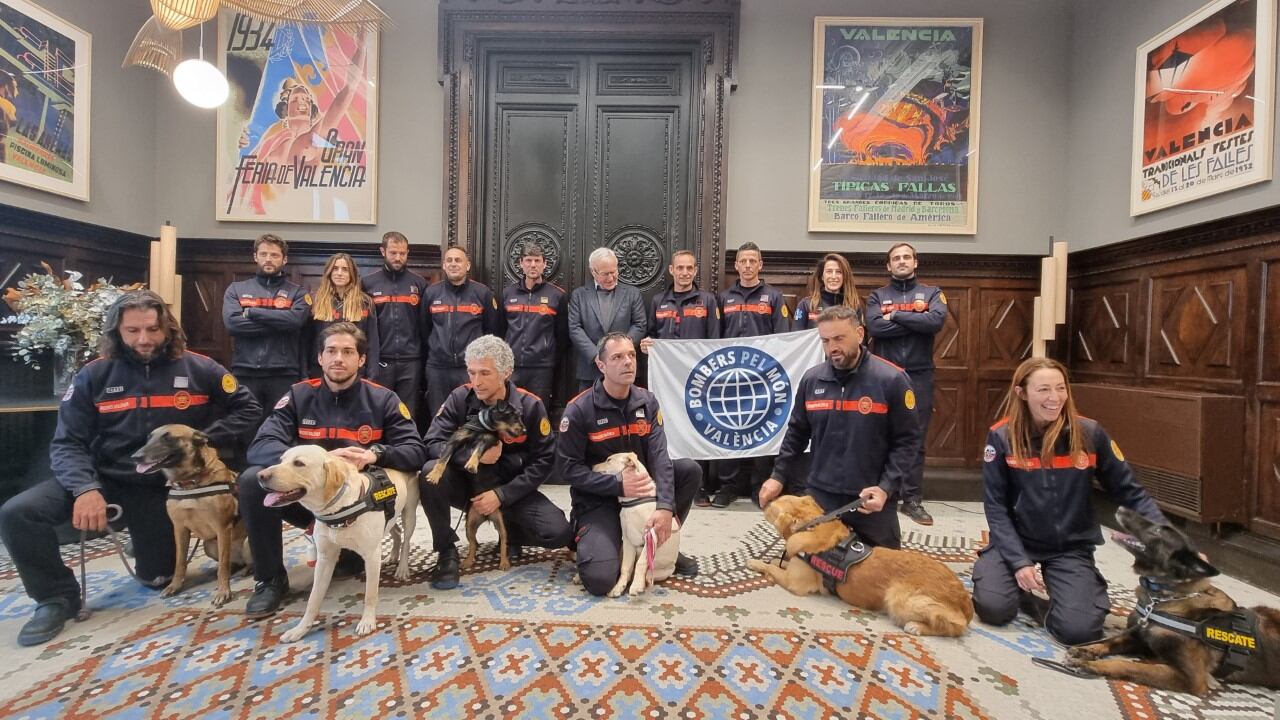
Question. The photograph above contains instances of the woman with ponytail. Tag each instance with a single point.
(341, 299)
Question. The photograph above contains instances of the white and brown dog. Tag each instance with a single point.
(644, 563)
(347, 516)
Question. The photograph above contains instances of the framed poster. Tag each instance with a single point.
(44, 100)
(298, 136)
(1202, 110)
(894, 140)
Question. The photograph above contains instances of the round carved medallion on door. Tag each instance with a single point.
(639, 254)
(546, 237)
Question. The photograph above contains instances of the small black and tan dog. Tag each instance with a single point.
(1189, 634)
(480, 433)
(202, 502)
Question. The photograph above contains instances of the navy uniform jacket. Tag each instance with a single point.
(595, 426)
(266, 315)
(537, 322)
(691, 315)
(457, 314)
(397, 303)
(919, 312)
(113, 405)
(1034, 511)
(526, 461)
(807, 317)
(362, 415)
(865, 431)
(760, 310)
(368, 324)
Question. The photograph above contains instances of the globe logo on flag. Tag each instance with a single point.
(738, 398)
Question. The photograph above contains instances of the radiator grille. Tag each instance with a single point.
(1180, 493)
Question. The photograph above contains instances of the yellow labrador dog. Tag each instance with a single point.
(328, 487)
(643, 564)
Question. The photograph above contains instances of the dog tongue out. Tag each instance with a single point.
(275, 499)
(144, 468)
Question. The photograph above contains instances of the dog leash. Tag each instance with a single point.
(114, 513)
(834, 514)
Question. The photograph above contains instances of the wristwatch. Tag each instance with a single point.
(378, 450)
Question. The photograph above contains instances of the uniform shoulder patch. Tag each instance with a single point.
(284, 400)
(784, 310)
(564, 424)
(1115, 450)
(71, 390)
(909, 399)
(495, 303)
(307, 298)
(658, 418)
(943, 297)
(545, 427)
(988, 453)
(404, 412)
(229, 384)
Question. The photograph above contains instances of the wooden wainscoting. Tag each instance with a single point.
(988, 332)
(1192, 309)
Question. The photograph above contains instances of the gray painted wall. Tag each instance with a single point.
(123, 123)
(1024, 65)
(1105, 35)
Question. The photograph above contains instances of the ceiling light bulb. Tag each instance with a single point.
(200, 83)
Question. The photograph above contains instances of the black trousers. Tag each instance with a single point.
(265, 526)
(598, 531)
(404, 378)
(440, 382)
(532, 520)
(27, 525)
(879, 529)
(745, 475)
(1078, 602)
(267, 390)
(537, 380)
(922, 385)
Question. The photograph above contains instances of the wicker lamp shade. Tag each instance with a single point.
(155, 47)
(182, 14)
(342, 13)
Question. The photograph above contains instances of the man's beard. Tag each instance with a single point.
(848, 361)
(159, 350)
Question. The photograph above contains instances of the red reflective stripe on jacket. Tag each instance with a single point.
(903, 307)
(180, 400)
(697, 311)
(384, 299)
(865, 405)
(640, 427)
(369, 434)
(1059, 462)
(535, 309)
(761, 308)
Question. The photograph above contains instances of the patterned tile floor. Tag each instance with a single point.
(530, 643)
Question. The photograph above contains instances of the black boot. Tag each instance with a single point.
(445, 574)
(49, 618)
(268, 596)
(686, 566)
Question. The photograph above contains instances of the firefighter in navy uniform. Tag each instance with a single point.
(397, 305)
(354, 419)
(514, 469)
(1039, 466)
(266, 316)
(859, 412)
(459, 310)
(902, 319)
(145, 378)
(612, 416)
(749, 308)
(682, 311)
(536, 318)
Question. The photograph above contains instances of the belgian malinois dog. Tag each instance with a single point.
(1184, 627)
(202, 502)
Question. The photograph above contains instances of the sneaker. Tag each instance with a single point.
(702, 499)
(268, 596)
(686, 566)
(445, 574)
(47, 621)
(914, 510)
(724, 498)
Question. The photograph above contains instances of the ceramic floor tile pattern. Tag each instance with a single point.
(529, 643)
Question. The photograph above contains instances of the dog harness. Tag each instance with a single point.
(834, 564)
(380, 495)
(176, 493)
(1235, 633)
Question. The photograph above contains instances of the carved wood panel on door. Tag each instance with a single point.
(1197, 326)
(1102, 334)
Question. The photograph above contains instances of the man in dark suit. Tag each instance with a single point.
(599, 308)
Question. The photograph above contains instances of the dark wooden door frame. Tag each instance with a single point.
(469, 28)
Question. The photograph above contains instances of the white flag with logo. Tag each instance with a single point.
(732, 397)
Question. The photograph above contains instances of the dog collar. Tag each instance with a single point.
(831, 515)
(633, 502)
(199, 492)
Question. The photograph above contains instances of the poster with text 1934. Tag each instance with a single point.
(1203, 107)
(894, 141)
(298, 138)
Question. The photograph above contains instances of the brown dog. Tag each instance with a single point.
(202, 502)
(919, 593)
(1175, 584)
